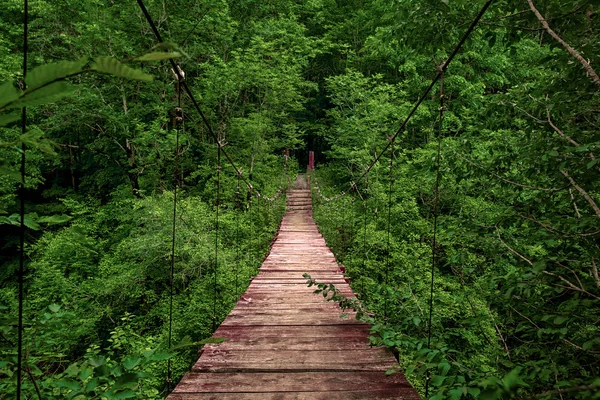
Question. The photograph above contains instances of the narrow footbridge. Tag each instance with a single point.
(284, 341)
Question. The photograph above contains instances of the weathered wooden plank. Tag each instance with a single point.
(374, 394)
(375, 359)
(266, 344)
(339, 331)
(291, 382)
(292, 300)
(290, 320)
(300, 313)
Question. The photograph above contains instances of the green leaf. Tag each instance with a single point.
(160, 356)
(212, 340)
(109, 65)
(8, 93)
(130, 362)
(158, 56)
(8, 118)
(54, 308)
(125, 394)
(560, 319)
(97, 361)
(30, 222)
(456, 394)
(443, 368)
(53, 72)
(91, 385)
(68, 383)
(437, 380)
(512, 379)
(127, 379)
(35, 138)
(55, 219)
(589, 165)
(86, 373)
(47, 94)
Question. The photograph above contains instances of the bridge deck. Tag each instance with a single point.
(284, 342)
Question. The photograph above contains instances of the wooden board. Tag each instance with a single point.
(283, 341)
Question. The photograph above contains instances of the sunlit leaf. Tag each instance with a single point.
(54, 219)
(52, 72)
(109, 65)
(44, 95)
(158, 56)
(8, 118)
(130, 362)
(8, 93)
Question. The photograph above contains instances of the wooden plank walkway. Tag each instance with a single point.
(285, 342)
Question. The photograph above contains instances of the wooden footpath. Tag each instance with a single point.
(284, 341)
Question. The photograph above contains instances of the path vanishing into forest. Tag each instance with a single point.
(284, 341)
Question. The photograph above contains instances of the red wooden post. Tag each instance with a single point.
(311, 165)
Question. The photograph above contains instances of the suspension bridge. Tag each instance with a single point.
(284, 341)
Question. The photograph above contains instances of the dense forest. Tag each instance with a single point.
(472, 242)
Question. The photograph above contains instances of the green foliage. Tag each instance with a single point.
(516, 285)
(109, 65)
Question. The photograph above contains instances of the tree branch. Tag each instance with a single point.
(595, 272)
(512, 250)
(590, 71)
(585, 195)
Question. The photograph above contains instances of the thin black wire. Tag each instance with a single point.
(434, 258)
(190, 95)
(178, 114)
(237, 237)
(364, 256)
(217, 237)
(389, 219)
(344, 226)
(193, 29)
(441, 70)
(22, 206)
(258, 233)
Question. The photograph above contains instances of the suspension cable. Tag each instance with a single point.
(22, 208)
(214, 316)
(364, 255)
(191, 96)
(237, 236)
(389, 218)
(344, 225)
(179, 124)
(441, 70)
(434, 257)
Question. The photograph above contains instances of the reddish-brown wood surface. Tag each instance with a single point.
(284, 341)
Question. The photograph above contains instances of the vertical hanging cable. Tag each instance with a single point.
(344, 225)
(434, 258)
(214, 317)
(179, 123)
(258, 225)
(237, 236)
(364, 255)
(389, 218)
(250, 211)
(22, 206)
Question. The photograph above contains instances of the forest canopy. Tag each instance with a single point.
(113, 143)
